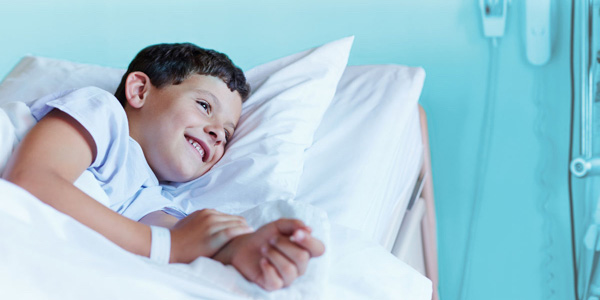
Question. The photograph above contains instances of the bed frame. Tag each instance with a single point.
(416, 242)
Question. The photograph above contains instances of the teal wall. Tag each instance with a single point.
(524, 196)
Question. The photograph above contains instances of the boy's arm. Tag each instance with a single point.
(49, 159)
(159, 218)
(202, 233)
(56, 152)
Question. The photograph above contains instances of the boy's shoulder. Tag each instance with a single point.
(89, 92)
(91, 99)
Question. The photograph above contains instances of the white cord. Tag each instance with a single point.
(487, 128)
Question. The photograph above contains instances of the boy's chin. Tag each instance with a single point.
(183, 175)
(195, 176)
(179, 178)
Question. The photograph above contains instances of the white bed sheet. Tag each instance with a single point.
(367, 152)
(48, 255)
(402, 180)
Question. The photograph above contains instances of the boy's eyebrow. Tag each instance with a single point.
(215, 100)
(211, 95)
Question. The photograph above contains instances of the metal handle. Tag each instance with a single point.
(582, 167)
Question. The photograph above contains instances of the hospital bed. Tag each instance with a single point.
(348, 153)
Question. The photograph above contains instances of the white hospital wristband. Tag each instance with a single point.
(160, 249)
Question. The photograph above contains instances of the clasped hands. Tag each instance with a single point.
(272, 256)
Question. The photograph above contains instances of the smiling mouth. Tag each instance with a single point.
(198, 148)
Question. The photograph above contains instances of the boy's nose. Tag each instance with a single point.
(216, 134)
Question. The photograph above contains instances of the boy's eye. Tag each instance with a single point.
(205, 105)
(227, 136)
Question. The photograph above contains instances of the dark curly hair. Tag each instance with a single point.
(173, 63)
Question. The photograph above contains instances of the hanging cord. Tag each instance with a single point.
(487, 123)
(570, 177)
(544, 180)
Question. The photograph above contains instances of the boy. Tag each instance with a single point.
(180, 105)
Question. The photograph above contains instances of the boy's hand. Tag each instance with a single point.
(296, 249)
(203, 233)
(268, 257)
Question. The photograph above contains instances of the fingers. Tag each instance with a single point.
(209, 230)
(308, 242)
(222, 228)
(294, 253)
(289, 226)
(300, 234)
(269, 280)
(221, 237)
(219, 226)
(285, 268)
(213, 216)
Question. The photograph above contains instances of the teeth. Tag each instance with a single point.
(197, 146)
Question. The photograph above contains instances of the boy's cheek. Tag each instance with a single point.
(218, 156)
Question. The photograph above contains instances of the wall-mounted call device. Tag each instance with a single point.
(493, 15)
(539, 25)
(539, 30)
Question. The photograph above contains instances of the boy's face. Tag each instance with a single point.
(183, 128)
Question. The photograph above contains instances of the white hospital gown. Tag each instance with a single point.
(119, 177)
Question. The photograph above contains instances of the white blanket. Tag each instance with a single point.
(45, 254)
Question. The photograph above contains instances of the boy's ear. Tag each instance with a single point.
(137, 86)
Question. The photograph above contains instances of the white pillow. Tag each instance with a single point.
(264, 159)
(367, 150)
(34, 77)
